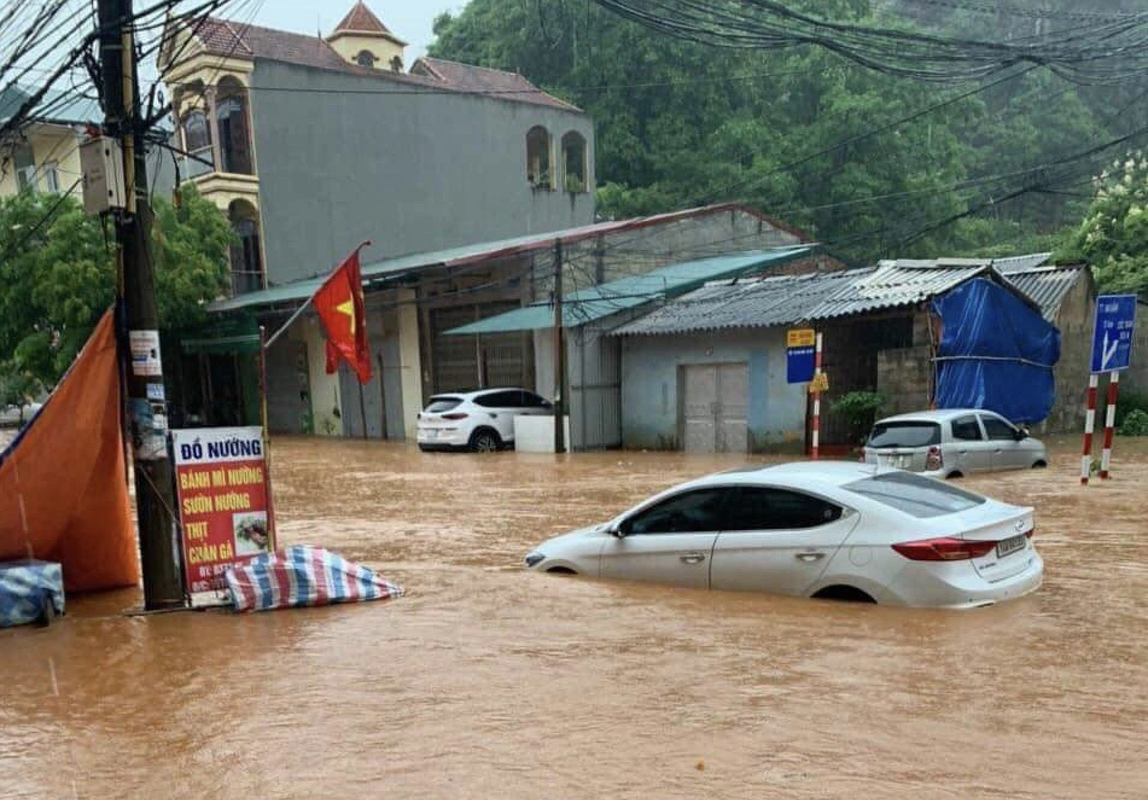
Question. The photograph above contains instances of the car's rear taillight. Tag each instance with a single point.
(943, 549)
(1031, 532)
(455, 415)
(934, 460)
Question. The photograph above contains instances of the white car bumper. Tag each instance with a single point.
(957, 585)
(442, 437)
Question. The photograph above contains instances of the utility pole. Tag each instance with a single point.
(146, 399)
(559, 356)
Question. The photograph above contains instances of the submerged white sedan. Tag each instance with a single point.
(815, 529)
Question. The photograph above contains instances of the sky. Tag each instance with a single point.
(410, 20)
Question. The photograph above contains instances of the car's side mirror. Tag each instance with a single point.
(617, 530)
(1020, 435)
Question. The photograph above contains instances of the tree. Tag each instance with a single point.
(59, 276)
(804, 135)
(1113, 238)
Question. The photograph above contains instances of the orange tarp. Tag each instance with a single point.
(63, 487)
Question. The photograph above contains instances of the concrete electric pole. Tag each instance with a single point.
(146, 400)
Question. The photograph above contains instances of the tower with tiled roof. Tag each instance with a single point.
(362, 38)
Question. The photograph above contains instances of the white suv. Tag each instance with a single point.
(481, 421)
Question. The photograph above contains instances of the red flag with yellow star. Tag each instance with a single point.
(339, 302)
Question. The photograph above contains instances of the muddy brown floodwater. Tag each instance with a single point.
(486, 681)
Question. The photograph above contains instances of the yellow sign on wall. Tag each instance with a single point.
(801, 337)
(820, 383)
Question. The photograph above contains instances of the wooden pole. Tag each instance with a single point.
(559, 355)
(274, 541)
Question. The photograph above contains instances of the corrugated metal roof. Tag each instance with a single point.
(1048, 286)
(784, 300)
(1007, 266)
(595, 302)
(1002, 265)
(462, 256)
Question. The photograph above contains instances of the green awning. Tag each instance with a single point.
(223, 336)
(596, 302)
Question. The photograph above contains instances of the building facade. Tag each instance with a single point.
(312, 145)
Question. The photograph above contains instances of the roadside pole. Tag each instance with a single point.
(559, 356)
(1109, 424)
(273, 539)
(1089, 427)
(815, 450)
(147, 402)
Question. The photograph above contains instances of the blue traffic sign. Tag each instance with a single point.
(799, 363)
(1112, 336)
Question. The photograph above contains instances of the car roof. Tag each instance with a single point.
(472, 393)
(798, 474)
(937, 415)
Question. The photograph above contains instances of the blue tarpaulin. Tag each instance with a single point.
(996, 353)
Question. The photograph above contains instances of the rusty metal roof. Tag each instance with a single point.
(784, 300)
(1047, 286)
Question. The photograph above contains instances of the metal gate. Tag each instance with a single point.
(288, 388)
(468, 362)
(713, 408)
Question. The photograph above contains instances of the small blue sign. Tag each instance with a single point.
(799, 364)
(1112, 336)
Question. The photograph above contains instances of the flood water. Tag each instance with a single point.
(486, 681)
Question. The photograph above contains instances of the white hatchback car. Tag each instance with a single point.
(481, 421)
(816, 529)
(952, 443)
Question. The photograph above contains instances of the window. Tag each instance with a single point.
(26, 178)
(366, 58)
(905, 434)
(507, 399)
(753, 508)
(246, 253)
(915, 495)
(531, 400)
(538, 158)
(438, 405)
(574, 162)
(698, 511)
(967, 429)
(396, 63)
(196, 132)
(234, 139)
(997, 429)
(51, 177)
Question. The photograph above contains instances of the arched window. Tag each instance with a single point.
(196, 132)
(246, 253)
(234, 137)
(539, 169)
(366, 58)
(574, 162)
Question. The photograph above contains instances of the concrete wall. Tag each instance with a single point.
(650, 402)
(348, 158)
(1075, 321)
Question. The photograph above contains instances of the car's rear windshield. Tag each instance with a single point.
(905, 434)
(915, 495)
(438, 405)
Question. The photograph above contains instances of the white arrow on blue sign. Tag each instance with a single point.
(1112, 336)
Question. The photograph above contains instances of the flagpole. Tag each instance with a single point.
(299, 311)
(273, 538)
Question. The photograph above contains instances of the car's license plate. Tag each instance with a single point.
(1009, 546)
(897, 462)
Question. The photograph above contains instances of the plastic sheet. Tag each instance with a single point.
(996, 353)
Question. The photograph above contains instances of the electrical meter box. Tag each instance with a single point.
(102, 160)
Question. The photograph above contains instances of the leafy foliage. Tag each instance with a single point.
(1113, 238)
(802, 134)
(859, 409)
(1135, 424)
(59, 276)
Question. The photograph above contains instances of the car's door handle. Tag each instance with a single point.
(693, 558)
(810, 557)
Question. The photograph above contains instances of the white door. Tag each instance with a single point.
(973, 451)
(669, 542)
(1007, 452)
(777, 540)
(714, 403)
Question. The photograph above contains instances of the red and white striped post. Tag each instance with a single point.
(1089, 427)
(815, 451)
(1109, 424)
